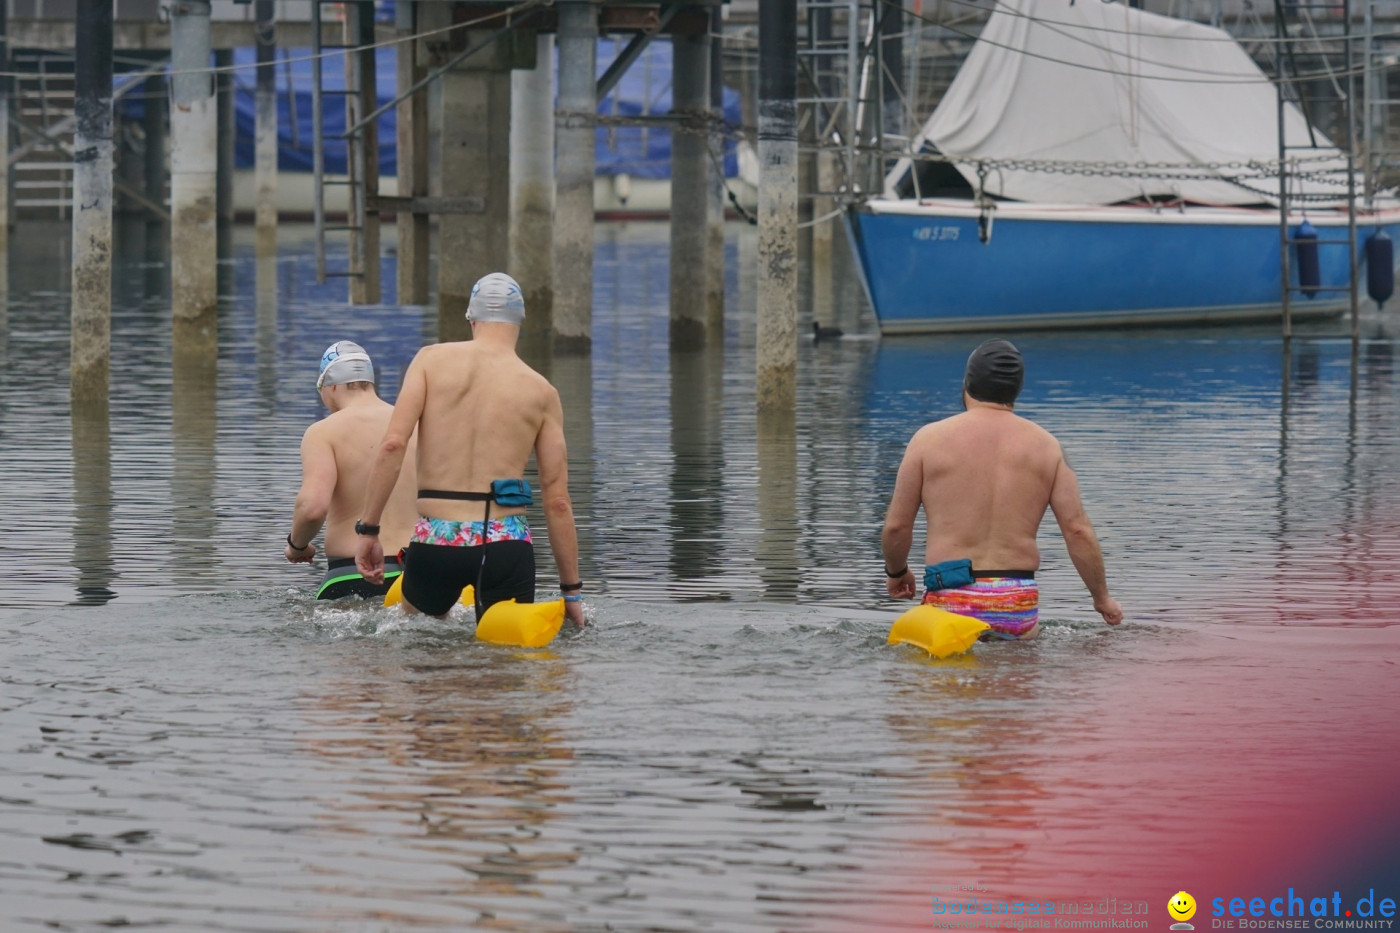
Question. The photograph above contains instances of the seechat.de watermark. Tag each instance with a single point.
(1303, 912)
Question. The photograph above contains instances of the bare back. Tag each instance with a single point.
(987, 479)
(482, 412)
(353, 435)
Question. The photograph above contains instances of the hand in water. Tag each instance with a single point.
(1110, 610)
(901, 587)
(369, 558)
(574, 612)
(303, 556)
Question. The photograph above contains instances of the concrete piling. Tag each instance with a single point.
(574, 122)
(265, 128)
(227, 137)
(777, 206)
(532, 187)
(473, 171)
(363, 151)
(193, 167)
(153, 125)
(690, 190)
(91, 301)
(714, 219)
(6, 87)
(412, 129)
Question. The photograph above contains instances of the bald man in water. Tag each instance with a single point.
(984, 479)
(480, 412)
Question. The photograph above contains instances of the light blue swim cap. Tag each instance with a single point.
(344, 361)
(496, 298)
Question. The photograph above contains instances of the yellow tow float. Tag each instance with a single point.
(937, 631)
(522, 625)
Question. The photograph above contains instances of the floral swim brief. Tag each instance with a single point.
(469, 534)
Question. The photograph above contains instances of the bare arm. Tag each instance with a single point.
(552, 458)
(1082, 543)
(369, 553)
(318, 477)
(898, 534)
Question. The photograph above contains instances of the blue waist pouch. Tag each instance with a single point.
(948, 575)
(511, 492)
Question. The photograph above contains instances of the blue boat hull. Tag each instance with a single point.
(926, 269)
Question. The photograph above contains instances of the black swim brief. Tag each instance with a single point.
(436, 574)
(342, 579)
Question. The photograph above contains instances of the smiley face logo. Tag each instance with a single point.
(1182, 907)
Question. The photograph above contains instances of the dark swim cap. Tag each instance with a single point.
(995, 372)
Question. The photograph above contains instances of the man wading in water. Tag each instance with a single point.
(984, 479)
(479, 411)
(336, 455)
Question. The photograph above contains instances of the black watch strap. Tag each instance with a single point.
(362, 528)
(898, 573)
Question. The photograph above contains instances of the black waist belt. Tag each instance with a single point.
(1019, 574)
(452, 494)
(335, 563)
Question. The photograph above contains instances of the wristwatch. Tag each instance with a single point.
(362, 529)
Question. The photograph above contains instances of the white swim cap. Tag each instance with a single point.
(344, 361)
(497, 298)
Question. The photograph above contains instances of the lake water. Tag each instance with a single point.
(189, 742)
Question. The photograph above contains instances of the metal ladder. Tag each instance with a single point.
(43, 168)
(362, 181)
(1289, 90)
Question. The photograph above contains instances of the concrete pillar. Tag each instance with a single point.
(265, 128)
(690, 191)
(823, 238)
(91, 301)
(714, 219)
(574, 121)
(360, 76)
(532, 187)
(227, 136)
(475, 164)
(777, 206)
(193, 164)
(412, 129)
(157, 112)
(6, 87)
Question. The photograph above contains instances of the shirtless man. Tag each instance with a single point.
(336, 455)
(479, 411)
(984, 479)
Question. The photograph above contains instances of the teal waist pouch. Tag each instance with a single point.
(948, 575)
(512, 492)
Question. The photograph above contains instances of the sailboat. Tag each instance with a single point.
(1094, 164)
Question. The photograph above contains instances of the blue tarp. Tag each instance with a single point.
(641, 151)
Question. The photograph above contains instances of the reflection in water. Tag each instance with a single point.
(974, 729)
(92, 502)
(572, 376)
(265, 312)
(194, 435)
(461, 765)
(4, 297)
(779, 566)
(697, 468)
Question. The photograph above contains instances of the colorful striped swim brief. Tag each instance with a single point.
(1010, 605)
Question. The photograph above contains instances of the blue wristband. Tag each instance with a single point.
(573, 599)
